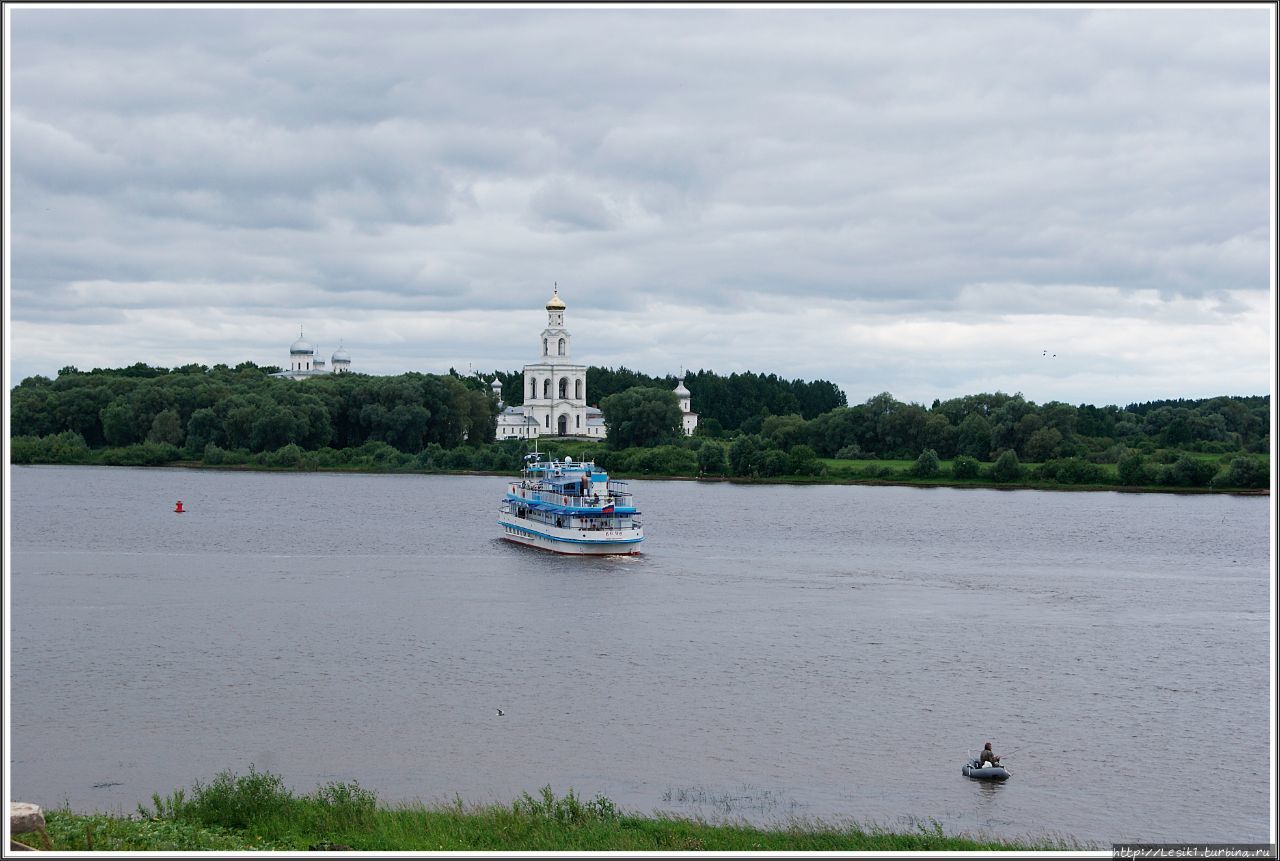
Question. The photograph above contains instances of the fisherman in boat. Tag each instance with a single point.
(988, 756)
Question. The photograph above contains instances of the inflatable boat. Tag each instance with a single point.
(978, 771)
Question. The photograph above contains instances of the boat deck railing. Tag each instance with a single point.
(585, 523)
(526, 490)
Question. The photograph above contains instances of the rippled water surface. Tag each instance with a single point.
(824, 652)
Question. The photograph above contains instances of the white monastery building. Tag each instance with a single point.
(555, 391)
(305, 364)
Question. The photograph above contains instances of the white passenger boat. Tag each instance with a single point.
(570, 507)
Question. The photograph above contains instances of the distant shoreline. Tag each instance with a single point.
(972, 484)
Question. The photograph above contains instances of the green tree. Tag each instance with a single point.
(741, 453)
(238, 420)
(711, 458)
(1187, 471)
(1243, 472)
(273, 428)
(65, 447)
(1007, 427)
(166, 427)
(1132, 469)
(1062, 417)
(118, 427)
(1041, 443)
(1070, 470)
(785, 431)
(406, 426)
(709, 427)
(973, 437)
(641, 417)
(770, 462)
(839, 429)
(286, 457)
(901, 430)
(79, 409)
(964, 466)
(31, 408)
(1006, 467)
(926, 464)
(803, 460)
(940, 435)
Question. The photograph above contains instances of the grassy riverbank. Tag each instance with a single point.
(257, 812)
(870, 472)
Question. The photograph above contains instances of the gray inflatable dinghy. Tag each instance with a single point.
(978, 771)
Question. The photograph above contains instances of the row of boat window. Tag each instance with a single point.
(595, 523)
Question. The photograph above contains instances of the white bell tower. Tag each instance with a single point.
(555, 338)
(555, 387)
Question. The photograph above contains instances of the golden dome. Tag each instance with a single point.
(555, 303)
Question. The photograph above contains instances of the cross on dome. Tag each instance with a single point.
(555, 303)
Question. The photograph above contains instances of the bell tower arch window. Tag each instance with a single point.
(564, 388)
(562, 346)
(577, 390)
(546, 388)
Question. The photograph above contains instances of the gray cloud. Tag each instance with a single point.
(679, 172)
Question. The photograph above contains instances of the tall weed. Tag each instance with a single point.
(235, 801)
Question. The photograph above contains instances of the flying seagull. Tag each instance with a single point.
(501, 712)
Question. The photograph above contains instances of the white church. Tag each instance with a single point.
(555, 391)
(305, 364)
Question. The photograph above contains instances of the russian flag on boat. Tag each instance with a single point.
(608, 509)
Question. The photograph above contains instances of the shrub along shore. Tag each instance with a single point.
(1167, 470)
(256, 811)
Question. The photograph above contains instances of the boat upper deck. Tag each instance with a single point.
(573, 486)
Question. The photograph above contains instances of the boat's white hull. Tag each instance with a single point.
(574, 542)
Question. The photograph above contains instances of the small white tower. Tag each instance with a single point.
(689, 419)
(301, 354)
(341, 360)
(496, 388)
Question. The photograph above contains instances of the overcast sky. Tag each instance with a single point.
(927, 202)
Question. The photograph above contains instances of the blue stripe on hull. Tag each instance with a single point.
(570, 546)
(577, 550)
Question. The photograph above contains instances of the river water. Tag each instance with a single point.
(828, 653)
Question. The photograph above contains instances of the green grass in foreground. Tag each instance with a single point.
(257, 812)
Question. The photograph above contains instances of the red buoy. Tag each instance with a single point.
(179, 510)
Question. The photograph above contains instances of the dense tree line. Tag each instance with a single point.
(987, 436)
(244, 408)
(984, 426)
(242, 415)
